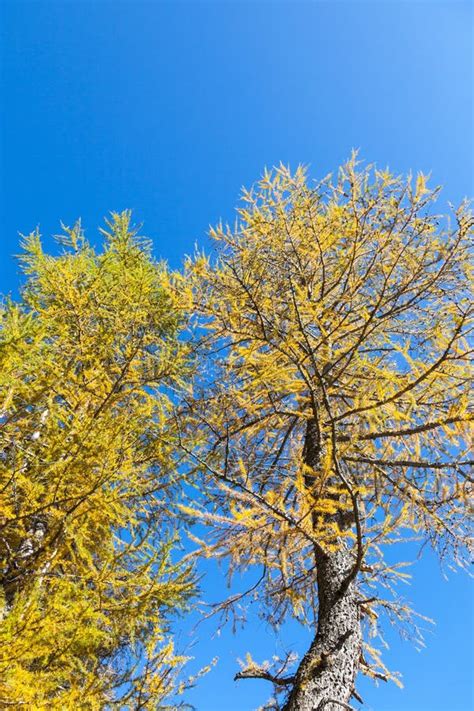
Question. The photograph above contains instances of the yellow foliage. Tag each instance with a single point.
(343, 307)
(87, 361)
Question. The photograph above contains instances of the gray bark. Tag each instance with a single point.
(22, 560)
(326, 675)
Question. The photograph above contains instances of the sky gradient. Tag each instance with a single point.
(169, 108)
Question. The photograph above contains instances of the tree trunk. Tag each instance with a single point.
(326, 675)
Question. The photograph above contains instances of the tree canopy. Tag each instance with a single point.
(334, 408)
(90, 363)
(302, 397)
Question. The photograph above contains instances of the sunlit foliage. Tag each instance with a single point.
(336, 313)
(89, 367)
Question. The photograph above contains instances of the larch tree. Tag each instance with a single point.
(333, 410)
(90, 364)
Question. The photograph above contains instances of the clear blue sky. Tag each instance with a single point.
(169, 108)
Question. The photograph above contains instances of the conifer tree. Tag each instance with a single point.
(90, 363)
(336, 326)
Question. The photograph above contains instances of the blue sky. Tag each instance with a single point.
(169, 108)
